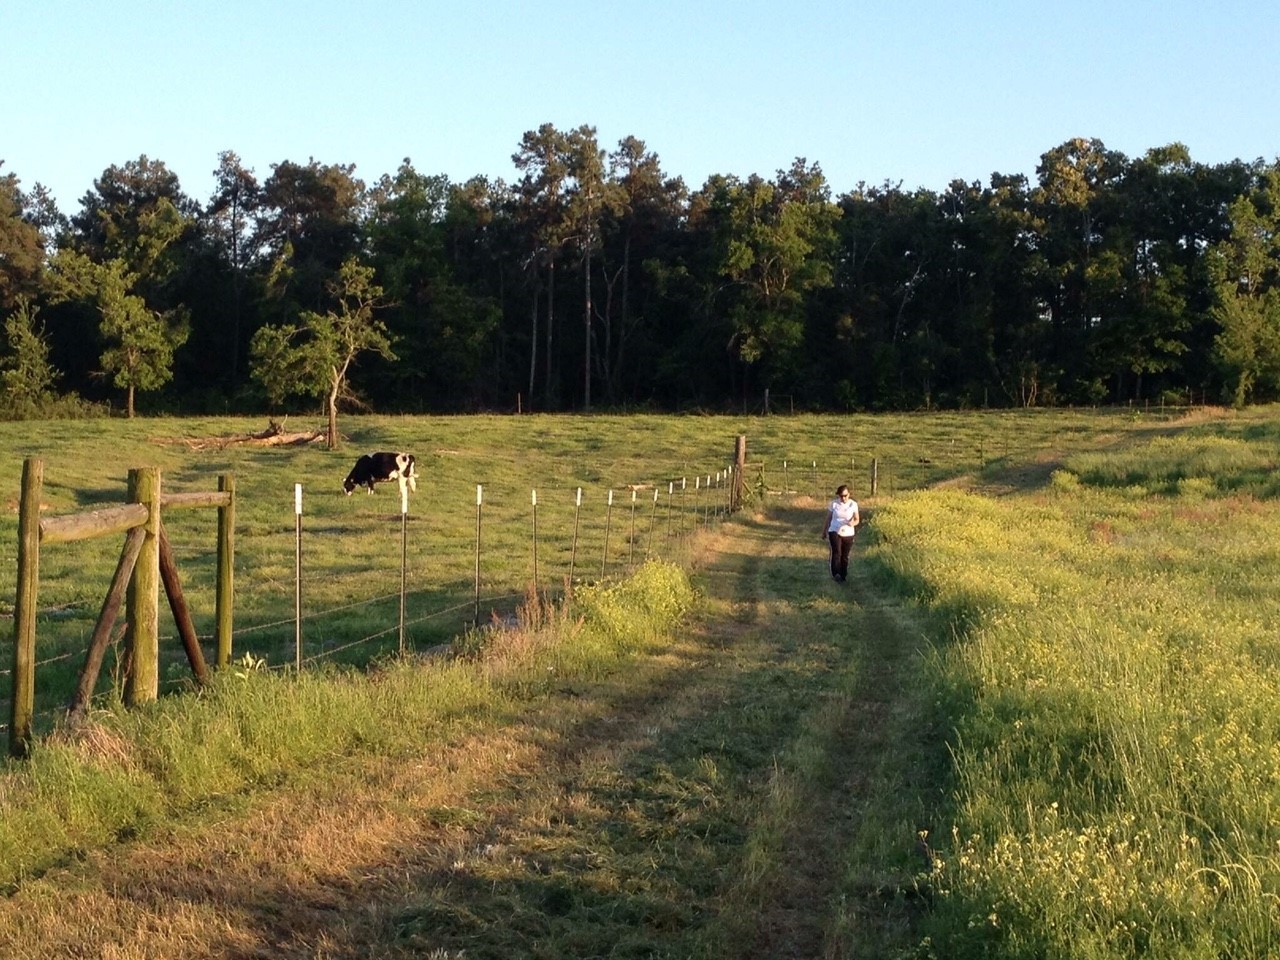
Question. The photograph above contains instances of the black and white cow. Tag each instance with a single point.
(374, 468)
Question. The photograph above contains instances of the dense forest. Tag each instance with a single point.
(595, 280)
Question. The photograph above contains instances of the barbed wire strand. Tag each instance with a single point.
(408, 623)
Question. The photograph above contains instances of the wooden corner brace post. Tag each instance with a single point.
(106, 621)
(181, 612)
(142, 636)
(24, 609)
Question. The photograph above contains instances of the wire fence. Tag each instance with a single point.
(544, 550)
(525, 540)
(710, 501)
(363, 628)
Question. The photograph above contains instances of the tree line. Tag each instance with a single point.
(594, 279)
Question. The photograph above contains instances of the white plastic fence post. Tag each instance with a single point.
(533, 496)
(573, 552)
(479, 502)
(297, 577)
(404, 555)
(653, 521)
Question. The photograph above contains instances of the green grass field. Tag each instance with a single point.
(351, 546)
(1089, 602)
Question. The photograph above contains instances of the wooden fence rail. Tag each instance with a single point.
(146, 562)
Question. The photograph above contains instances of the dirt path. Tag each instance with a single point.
(755, 791)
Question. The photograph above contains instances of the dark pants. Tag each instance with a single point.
(840, 547)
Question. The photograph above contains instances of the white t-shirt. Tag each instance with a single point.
(842, 512)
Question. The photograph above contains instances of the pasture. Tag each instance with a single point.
(351, 546)
(1040, 722)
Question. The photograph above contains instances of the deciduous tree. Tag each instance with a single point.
(1246, 272)
(774, 243)
(310, 222)
(140, 342)
(443, 330)
(22, 251)
(314, 357)
(1076, 184)
(27, 377)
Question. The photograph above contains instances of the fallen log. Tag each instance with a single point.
(273, 436)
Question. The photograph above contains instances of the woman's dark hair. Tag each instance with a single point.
(843, 488)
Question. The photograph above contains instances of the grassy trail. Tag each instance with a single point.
(859, 772)
(756, 790)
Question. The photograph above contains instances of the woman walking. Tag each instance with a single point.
(842, 518)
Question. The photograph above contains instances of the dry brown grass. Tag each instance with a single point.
(95, 745)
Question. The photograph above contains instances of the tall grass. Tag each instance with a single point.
(1114, 672)
(123, 772)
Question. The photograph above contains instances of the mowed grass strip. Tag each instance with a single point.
(833, 864)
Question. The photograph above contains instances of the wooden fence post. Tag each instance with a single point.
(224, 602)
(739, 473)
(142, 638)
(24, 609)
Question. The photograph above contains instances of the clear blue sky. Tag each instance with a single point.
(913, 91)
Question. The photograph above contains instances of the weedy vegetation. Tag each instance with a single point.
(1108, 647)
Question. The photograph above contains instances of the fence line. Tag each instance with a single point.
(715, 495)
(202, 499)
(384, 632)
(300, 617)
(315, 615)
